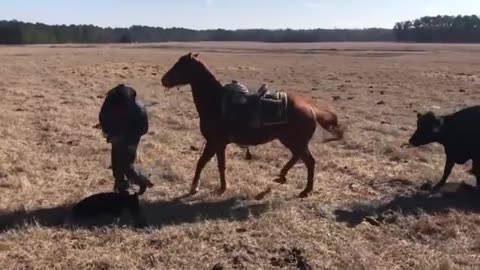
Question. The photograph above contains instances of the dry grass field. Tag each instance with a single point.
(366, 211)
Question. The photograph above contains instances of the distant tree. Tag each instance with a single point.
(125, 38)
(10, 33)
(439, 29)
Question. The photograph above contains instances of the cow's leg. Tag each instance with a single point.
(207, 154)
(248, 155)
(476, 171)
(446, 173)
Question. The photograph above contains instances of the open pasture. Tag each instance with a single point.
(365, 211)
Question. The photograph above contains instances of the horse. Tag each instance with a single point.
(295, 134)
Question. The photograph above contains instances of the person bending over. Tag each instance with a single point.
(124, 120)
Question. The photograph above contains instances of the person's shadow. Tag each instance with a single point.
(411, 201)
(155, 214)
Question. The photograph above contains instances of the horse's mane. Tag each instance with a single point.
(210, 77)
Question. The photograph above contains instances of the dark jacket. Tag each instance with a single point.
(123, 114)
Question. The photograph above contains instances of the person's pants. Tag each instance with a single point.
(124, 154)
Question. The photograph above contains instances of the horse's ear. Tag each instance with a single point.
(196, 55)
(189, 55)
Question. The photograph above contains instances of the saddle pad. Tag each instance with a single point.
(273, 109)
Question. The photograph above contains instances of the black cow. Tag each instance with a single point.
(458, 132)
(123, 120)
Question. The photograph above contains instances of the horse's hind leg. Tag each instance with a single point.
(282, 178)
(309, 161)
(221, 168)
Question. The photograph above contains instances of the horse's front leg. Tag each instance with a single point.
(207, 154)
(221, 168)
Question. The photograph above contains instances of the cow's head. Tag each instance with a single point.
(428, 129)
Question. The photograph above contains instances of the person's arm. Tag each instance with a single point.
(138, 121)
(110, 120)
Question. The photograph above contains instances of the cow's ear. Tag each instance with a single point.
(438, 124)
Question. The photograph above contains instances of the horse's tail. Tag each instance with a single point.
(329, 121)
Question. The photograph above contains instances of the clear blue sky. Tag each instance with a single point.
(232, 14)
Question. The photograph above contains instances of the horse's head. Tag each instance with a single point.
(185, 71)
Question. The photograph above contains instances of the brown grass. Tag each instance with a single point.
(365, 212)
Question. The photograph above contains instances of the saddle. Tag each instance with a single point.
(244, 109)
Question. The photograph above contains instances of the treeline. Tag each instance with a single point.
(15, 32)
(464, 29)
(426, 29)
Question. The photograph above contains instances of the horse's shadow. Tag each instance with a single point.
(155, 214)
(412, 202)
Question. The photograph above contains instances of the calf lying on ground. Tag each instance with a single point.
(109, 203)
(458, 132)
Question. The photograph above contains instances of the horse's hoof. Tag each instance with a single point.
(248, 156)
(436, 188)
(426, 187)
(281, 180)
(193, 191)
(304, 194)
(220, 191)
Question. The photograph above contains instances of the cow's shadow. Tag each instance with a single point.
(155, 214)
(412, 201)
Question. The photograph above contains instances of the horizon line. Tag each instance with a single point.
(197, 29)
(231, 29)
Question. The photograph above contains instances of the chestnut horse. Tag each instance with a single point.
(295, 134)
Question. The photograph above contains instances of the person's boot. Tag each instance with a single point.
(142, 181)
(121, 187)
